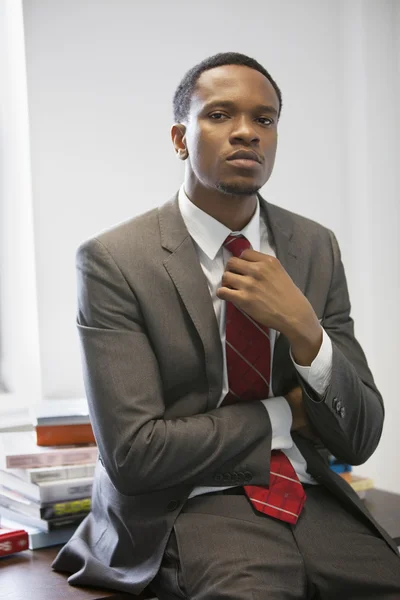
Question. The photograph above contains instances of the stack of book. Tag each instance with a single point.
(46, 490)
(358, 483)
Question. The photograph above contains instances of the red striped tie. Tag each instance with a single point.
(248, 358)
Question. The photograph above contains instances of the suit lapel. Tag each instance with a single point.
(183, 267)
(288, 252)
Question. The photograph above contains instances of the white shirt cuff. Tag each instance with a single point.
(318, 375)
(281, 419)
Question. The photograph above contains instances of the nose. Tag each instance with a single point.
(244, 131)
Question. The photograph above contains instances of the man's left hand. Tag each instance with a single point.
(258, 285)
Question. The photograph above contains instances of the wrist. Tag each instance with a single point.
(305, 346)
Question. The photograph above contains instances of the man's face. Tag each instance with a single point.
(231, 134)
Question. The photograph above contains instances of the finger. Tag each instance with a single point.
(242, 267)
(234, 280)
(254, 256)
(229, 295)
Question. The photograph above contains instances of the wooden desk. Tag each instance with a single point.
(28, 576)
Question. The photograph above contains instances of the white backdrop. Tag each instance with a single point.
(100, 79)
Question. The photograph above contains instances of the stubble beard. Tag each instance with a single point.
(236, 189)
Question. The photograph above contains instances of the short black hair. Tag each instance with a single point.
(184, 91)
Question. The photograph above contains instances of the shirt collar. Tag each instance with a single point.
(209, 233)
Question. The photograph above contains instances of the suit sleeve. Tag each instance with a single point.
(349, 417)
(140, 449)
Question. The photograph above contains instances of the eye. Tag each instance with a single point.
(265, 121)
(218, 116)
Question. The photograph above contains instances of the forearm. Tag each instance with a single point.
(349, 418)
(142, 447)
(347, 411)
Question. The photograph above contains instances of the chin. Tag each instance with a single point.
(244, 188)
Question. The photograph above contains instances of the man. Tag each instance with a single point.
(219, 354)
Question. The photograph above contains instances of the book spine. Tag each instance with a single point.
(73, 520)
(12, 542)
(63, 435)
(64, 509)
(40, 475)
(56, 458)
(42, 524)
(68, 472)
(69, 489)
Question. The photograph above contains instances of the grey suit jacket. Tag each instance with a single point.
(152, 362)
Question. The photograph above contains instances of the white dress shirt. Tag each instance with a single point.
(209, 235)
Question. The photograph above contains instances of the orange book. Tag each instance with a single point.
(64, 435)
(346, 476)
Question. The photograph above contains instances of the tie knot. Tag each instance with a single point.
(236, 244)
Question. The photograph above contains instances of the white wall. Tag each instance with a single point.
(101, 75)
(20, 358)
(371, 45)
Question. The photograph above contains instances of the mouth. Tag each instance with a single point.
(244, 159)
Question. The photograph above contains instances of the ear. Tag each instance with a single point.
(178, 133)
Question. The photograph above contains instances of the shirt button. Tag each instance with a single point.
(173, 505)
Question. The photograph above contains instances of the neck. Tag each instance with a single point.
(233, 211)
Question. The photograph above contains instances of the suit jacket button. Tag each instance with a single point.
(240, 476)
(248, 476)
(227, 477)
(173, 505)
(218, 477)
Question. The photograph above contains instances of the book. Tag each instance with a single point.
(42, 539)
(346, 475)
(340, 467)
(361, 484)
(39, 474)
(12, 540)
(63, 435)
(43, 525)
(73, 411)
(19, 450)
(48, 491)
(22, 505)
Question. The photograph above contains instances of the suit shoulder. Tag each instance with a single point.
(139, 232)
(145, 223)
(298, 222)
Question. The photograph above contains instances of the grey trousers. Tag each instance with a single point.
(221, 548)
